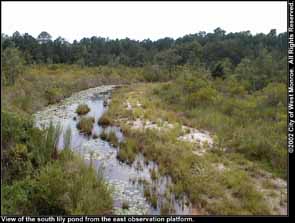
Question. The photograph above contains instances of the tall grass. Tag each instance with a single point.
(37, 179)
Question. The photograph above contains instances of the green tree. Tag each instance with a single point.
(168, 58)
(12, 65)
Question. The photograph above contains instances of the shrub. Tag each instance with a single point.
(85, 125)
(205, 95)
(19, 164)
(24, 146)
(15, 198)
(275, 93)
(82, 109)
(53, 95)
(65, 186)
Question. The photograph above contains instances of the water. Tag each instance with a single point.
(126, 180)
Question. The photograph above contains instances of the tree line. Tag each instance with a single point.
(219, 52)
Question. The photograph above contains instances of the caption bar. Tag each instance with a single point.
(60, 219)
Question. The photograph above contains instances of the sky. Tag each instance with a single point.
(140, 20)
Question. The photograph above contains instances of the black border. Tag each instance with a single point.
(290, 132)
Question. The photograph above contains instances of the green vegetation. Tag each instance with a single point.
(232, 85)
(40, 85)
(37, 180)
(82, 109)
(127, 151)
(150, 196)
(53, 95)
(154, 200)
(220, 52)
(110, 137)
(233, 190)
(154, 174)
(13, 65)
(249, 123)
(85, 125)
(166, 208)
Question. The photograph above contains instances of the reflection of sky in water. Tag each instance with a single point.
(122, 176)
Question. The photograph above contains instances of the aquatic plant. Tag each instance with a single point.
(82, 109)
(112, 138)
(127, 151)
(104, 121)
(85, 125)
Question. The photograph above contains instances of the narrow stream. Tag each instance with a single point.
(126, 180)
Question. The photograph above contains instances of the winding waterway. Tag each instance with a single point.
(124, 179)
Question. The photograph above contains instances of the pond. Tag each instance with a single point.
(126, 180)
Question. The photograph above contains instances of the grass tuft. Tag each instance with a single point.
(85, 125)
(82, 109)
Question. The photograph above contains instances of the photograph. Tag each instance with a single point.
(145, 108)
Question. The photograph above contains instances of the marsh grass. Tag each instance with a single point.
(150, 195)
(41, 85)
(104, 121)
(110, 137)
(127, 151)
(85, 125)
(67, 138)
(217, 191)
(166, 208)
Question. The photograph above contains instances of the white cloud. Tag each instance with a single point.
(140, 20)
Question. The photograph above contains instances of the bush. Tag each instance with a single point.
(15, 198)
(23, 146)
(205, 96)
(19, 163)
(82, 109)
(85, 125)
(275, 94)
(66, 186)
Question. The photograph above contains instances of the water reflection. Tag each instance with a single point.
(126, 180)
